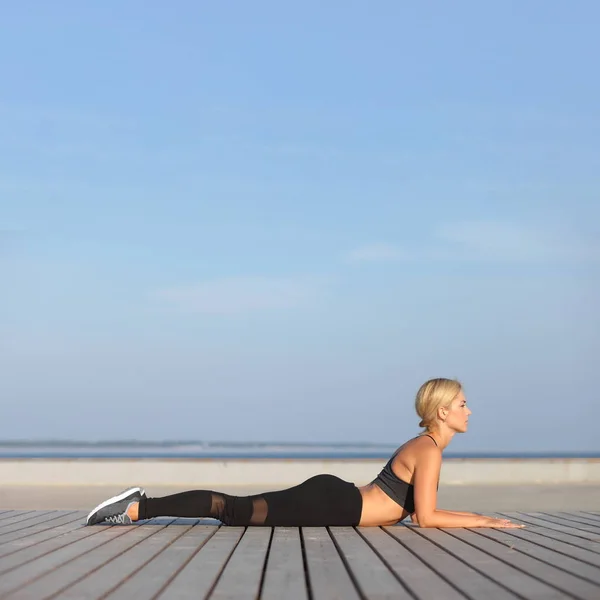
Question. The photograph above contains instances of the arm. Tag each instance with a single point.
(459, 512)
(452, 512)
(426, 475)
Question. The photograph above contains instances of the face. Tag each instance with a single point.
(457, 417)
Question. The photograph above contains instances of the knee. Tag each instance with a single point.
(236, 510)
(219, 507)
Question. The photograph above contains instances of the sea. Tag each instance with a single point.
(232, 450)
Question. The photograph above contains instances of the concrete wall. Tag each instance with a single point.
(278, 473)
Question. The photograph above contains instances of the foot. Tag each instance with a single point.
(115, 509)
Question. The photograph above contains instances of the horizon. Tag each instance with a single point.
(212, 447)
(241, 450)
(278, 221)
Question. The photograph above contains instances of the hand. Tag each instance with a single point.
(501, 523)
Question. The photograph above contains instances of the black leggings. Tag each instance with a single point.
(319, 501)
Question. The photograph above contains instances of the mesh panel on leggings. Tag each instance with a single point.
(260, 510)
(239, 510)
(217, 506)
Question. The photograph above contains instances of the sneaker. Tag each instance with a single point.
(114, 510)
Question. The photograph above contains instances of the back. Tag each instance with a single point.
(395, 479)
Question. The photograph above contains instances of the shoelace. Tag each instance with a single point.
(117, 519)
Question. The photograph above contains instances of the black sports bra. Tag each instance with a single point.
(398, 490)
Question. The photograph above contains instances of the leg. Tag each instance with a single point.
(319, 501)
(231, 510)
(323, 500)
(133, 505)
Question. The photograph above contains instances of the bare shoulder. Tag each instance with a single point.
(417, 445)
(426, 451)
(416, 452)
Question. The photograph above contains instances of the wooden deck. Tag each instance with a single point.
(51, 554)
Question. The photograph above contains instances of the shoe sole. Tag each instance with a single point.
(120, 496)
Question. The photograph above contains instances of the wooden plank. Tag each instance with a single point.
(31, 571)
(18, 515)
(554, 517)
(114, 572)
(26, 524)
(590, 516)
(77, 569)
(462, 576)
(23, 553)
(591, 513)
(26, 527)
(554, 523)
(527, 567)
(22, 518)
(14, 512)
(493, 561)
(7, 514)
(552, 556)
(560, 520)
(551, 534)
(565, 548)
(143, 568)
(327, 575)
(423, 582)
(372, 576)
(202, 572)
(578, 518)
(243, 573)
(285, 567)
(576, 530)
(557, 532)
(17, 540)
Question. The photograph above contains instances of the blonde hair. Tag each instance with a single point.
(432, 395)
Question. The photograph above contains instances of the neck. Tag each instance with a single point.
(442, 436)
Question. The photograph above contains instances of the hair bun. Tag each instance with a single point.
(422, 423)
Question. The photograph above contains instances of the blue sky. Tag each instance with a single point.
(259, 221)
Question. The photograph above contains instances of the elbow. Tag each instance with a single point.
(425, 521)
(425, 525)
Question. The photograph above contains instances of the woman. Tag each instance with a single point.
(407, 485)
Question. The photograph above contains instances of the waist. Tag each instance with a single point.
(400, 492)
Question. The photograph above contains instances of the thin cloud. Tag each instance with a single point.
(378, 253)
(237, 295)
(503, 241)
(487, 241)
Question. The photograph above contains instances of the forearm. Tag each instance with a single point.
(443, 518)
(458, 512)
(451, 512)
